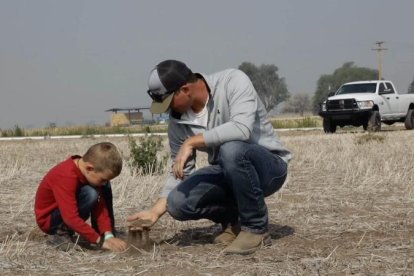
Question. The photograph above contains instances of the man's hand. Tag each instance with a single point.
(148, 218)
(114, 244)
(186, 150)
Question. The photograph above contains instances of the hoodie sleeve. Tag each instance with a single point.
(242, 101)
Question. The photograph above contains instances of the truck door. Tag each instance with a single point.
(385, 105)
(401, 104)
(393, 98)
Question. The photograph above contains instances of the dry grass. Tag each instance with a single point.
(347, 208)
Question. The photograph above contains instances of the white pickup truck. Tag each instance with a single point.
(367, 103)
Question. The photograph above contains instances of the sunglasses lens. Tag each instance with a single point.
(158, 97)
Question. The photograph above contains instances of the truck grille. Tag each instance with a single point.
(347, 104)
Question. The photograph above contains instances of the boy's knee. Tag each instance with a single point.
(88, 195)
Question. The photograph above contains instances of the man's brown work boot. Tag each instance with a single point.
(247, 243)
(228, 235)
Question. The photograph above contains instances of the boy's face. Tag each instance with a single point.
(98, 178)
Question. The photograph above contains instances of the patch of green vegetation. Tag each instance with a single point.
(17, 131)
(90, 130)
(145, 156)
(84, 131)
(297, 122)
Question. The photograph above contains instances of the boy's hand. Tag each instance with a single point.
(114, 244)
(146, 219)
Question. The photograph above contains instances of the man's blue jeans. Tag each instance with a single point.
(233, 190)
(87, 198)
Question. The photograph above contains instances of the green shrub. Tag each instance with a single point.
(144, 157)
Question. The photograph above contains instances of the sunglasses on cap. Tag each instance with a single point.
(159, 97)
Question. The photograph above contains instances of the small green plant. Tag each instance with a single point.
(144, 156)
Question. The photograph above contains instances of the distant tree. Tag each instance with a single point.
(299, 103)
(330, 83)
(271, 89)
(411, 87)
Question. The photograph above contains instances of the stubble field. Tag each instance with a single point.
(347, 208)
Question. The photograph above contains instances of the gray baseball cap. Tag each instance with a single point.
(165, 79)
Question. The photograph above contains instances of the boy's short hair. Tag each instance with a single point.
(104, 156)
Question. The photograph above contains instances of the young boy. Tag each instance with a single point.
(76, 189)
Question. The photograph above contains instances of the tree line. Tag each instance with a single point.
(272, 88)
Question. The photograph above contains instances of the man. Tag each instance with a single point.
(222, 115)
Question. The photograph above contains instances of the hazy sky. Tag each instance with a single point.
(69, 61)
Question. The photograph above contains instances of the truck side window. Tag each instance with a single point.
(389, 89)
(381, 88)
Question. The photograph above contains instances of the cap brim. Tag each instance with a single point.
(161, 107)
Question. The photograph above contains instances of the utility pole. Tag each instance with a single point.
(379, 50)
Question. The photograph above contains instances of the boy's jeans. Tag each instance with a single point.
(87, 197)
(232, 191)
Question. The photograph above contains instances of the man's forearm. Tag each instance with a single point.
(196, 141)
(160, 207)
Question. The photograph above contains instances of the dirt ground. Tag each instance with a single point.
(347, 208)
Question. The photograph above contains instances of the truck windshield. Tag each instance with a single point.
(357, 88)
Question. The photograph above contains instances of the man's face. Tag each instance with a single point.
(98, 178)
(181, 101)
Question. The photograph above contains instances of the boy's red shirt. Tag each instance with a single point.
(58, 190)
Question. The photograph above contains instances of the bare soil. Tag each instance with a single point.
(347, 208)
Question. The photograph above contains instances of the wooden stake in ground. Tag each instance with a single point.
(138, 234)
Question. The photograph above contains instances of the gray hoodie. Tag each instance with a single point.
(235, 113)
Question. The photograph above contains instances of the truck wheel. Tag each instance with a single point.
(328, 125)
(409, 120)
(365, 125)
(374, 121)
